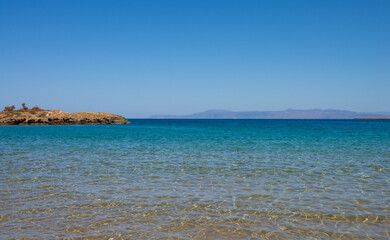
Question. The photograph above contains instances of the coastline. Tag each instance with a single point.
(58, 117)
(373, 118)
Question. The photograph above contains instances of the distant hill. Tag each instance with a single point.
(286, 114)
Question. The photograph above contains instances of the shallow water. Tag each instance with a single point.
(197, 179)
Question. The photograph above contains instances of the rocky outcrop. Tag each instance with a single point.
(58, 117)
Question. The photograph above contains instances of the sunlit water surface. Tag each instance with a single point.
(197, 179)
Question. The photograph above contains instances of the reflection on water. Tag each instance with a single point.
(197, 180)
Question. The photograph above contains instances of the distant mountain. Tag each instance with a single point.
(286, 114)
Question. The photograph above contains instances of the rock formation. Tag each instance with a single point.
(57, 117)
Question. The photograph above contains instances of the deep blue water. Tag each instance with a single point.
(197, 179)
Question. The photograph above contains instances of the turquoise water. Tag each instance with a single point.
(197, 179)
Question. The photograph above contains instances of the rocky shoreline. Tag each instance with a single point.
(57, 117)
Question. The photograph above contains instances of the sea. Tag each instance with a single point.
(197, 179)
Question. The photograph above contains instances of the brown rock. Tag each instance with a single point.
(58, 117)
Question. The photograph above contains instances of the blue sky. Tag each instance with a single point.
(139, 58)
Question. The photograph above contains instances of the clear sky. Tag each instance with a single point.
(139, 58)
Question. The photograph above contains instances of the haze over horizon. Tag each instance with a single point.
(138, 58)
(286, 114)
